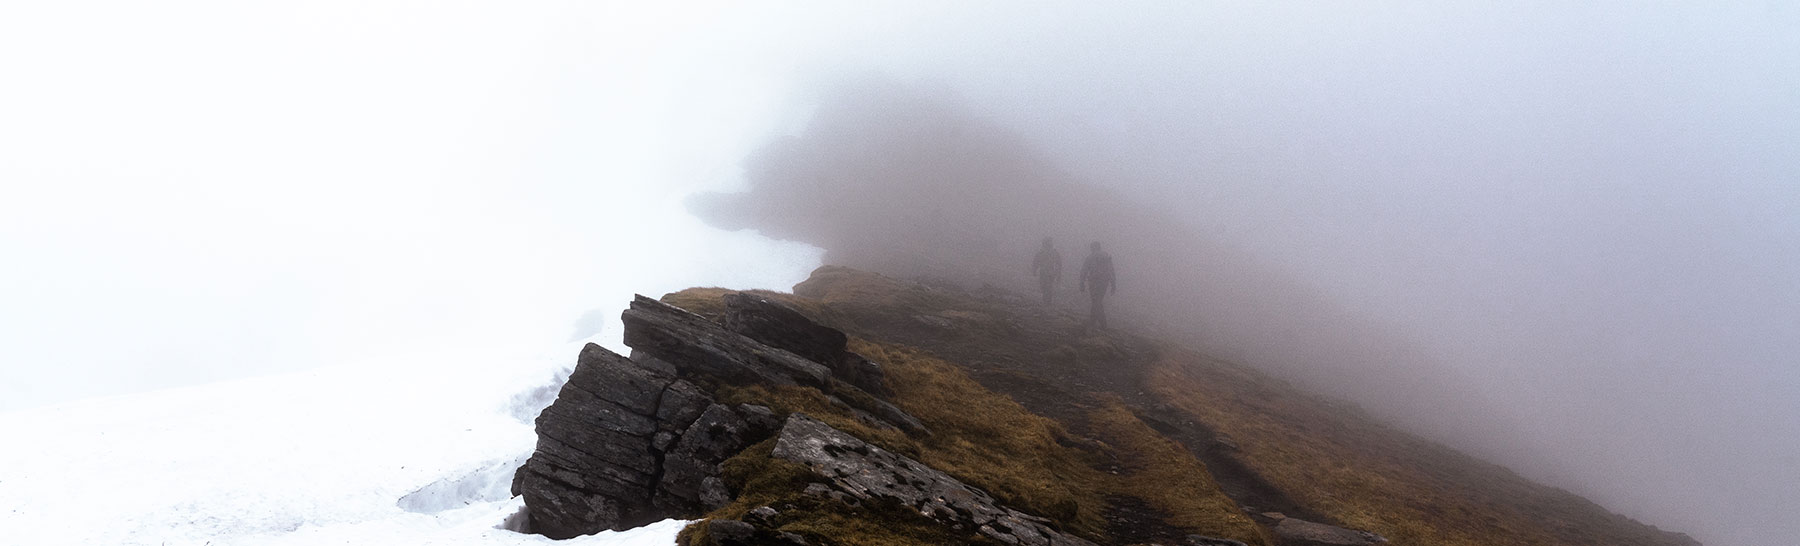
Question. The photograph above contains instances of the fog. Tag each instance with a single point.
(1560, 238)
(1563, 237)
(197, 191)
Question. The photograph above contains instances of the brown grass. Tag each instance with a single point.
(810, 401)
(1167, 476)
(977, 436)
(708, 302)
(989, 441)
(1333, 459)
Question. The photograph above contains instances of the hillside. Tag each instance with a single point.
(995, 410)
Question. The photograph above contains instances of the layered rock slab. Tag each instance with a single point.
(783, 327)
(1291, 531)
(625, 445)
(694, 344)
(761, 342)
(629, 441)
(865, 472)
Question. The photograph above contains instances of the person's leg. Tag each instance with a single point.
(1049, 288)
(1097, 312)
(1100, 309)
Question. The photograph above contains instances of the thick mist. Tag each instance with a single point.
(1563, 237)
(892, 180)
(1560, 238)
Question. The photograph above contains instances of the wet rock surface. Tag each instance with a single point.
(1203, 540)
(1291, 531)
(864, 472)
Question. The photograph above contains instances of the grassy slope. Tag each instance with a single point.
(1334, 459)
(1027, 461)
(950, 353)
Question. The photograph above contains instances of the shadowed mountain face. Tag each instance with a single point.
(894, 181)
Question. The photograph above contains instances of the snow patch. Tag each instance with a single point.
(490, 483)
(528, 403)
(416, 452)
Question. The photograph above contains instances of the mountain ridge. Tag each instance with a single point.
(1099, 437)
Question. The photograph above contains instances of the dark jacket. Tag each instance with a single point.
(1097, 272)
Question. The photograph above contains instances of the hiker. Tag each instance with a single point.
(1097, 273)
(1048, 268)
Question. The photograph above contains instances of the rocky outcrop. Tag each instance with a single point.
(1203, 540)
(696, 345)
(761, 342)
(690, 481)
(629, 441)
(625, 445)
(782, 327)
(853, 468)
(1299, 532)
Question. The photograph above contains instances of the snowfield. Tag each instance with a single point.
(420, 452)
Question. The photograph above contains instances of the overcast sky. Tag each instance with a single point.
(1591, 209)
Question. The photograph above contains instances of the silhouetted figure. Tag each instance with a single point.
(1097, 273)
(1048, 268)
